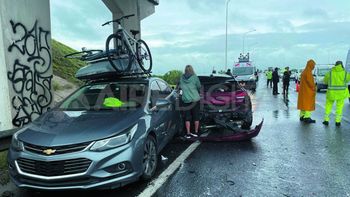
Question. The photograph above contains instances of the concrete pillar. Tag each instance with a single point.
(141, 9)
(25, 61)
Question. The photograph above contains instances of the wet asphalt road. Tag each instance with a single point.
(287, 158)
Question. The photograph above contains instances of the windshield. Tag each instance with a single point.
(106, 96)
(243, 71)
(322, 71)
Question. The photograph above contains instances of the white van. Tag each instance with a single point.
(319, 73)
(246, 75)
(244, 72)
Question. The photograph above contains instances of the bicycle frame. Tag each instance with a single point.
(126, 36)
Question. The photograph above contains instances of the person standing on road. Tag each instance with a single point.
(190, 86)
(275, 80)
(269, 78)
(286, 79)
(307, 93)
(337, 91)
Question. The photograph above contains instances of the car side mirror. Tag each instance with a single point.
(161, 103)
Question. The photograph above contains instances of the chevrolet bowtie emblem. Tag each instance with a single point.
(49, 151)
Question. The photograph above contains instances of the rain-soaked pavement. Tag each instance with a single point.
(287, 158)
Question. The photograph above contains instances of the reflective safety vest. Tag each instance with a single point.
(269, 74)
(337, 80)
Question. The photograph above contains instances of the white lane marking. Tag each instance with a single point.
(343, 118)
(163, 177)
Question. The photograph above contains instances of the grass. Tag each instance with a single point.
(56, 86)
(64, 67)
(4, 177)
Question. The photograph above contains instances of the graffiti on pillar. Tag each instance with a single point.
(30, 74)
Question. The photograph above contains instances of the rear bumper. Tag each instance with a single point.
(209, 114)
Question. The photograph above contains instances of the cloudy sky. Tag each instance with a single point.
(180, 32)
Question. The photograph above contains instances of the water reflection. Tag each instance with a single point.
(275, 113)
(286, 100)
(287, 113)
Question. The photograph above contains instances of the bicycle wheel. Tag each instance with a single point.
(143, 56)
(120, 57)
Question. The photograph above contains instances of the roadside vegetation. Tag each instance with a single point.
(4, 177)
(58, 87)
(64, 67)
(172, 77)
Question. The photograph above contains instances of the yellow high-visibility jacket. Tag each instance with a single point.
(269, 74)
(337, 80)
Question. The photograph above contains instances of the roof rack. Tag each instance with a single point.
(99, 67)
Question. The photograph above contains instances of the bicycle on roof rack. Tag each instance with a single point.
(127, 48)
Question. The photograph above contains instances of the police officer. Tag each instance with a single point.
(286, 79)
(337, 80)
(269, 78)
(275, 80)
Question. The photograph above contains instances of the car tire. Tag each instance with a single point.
(248, 120)
(181, 127)
(150, 158)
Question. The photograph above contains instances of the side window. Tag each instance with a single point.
(155, 93)
(165, 90)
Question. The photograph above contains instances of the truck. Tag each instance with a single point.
(244, 72)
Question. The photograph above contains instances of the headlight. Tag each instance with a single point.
(114, 142)
(15, 143)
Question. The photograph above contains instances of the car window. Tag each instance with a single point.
(164, 88)
(243, 71)
(155, 93)
(106, 96)
(322, 71)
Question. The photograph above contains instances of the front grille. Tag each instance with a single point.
(54, 168)
(58, 149)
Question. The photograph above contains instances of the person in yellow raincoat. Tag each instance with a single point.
(307, 93)
(337, 91)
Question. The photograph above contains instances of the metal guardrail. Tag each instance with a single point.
(5, 138)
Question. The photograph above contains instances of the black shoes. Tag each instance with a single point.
(309, 120)
(337, 124)
(191, 135)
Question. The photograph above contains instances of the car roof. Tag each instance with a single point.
(128, 79)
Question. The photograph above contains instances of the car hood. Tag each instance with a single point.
(57, 128)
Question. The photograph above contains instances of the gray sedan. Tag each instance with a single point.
(105, 135)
